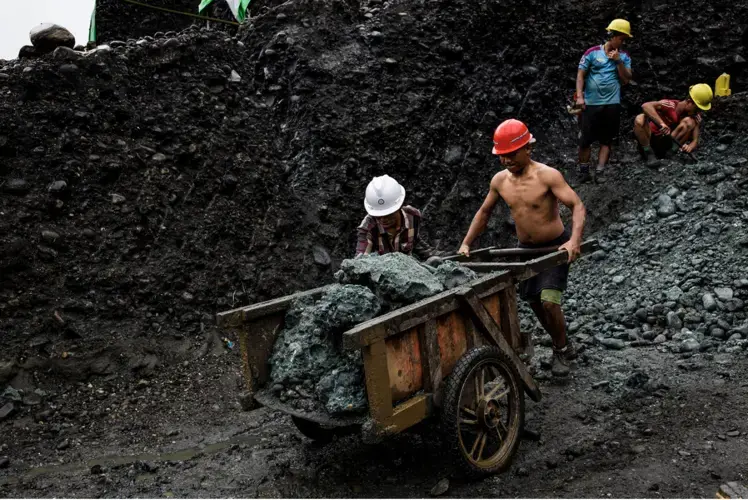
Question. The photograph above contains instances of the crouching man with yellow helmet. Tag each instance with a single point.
(680, 120)
(390, 226)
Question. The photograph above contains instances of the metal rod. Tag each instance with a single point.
(510, 252)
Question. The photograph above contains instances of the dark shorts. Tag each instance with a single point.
(661, 145)
(554, 278)
(599, 124)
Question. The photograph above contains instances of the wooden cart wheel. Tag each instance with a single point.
(313, 430)
(483, 411)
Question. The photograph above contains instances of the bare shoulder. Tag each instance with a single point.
(498, 179)
(547, 174)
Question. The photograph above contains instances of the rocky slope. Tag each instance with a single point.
(151, 184)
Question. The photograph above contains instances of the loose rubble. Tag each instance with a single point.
(308, 364)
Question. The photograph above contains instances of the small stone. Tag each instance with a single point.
(660, 339)
(616, 344)
(171, 43)
(454, 155)
(673, 321)
(58, 187)
(50, 236)
(674, 293)
(321, 256)
(159, 157)
(235, 77)
(710, 304)
(4, 463)
(638, 449)
(665, 206)
(733, 433)
(117, 198)
(89, 233)
(6, 411)
(724, 294)
(602, 383)
(17, 186)
(187, 297)
(64, 444)
(689, 345)
(618, 279)
(97, 469)
(66, 54)
(598, 255)
(389, 61)
(718, 333)
(440, 488)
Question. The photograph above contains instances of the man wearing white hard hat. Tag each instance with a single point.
(390, 226)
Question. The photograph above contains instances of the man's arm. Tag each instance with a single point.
(566, 195)
(623, 65)
(364, 241)
(480, 220)
(424, 251)
(581, 75)
(650, 109)
(624, 73)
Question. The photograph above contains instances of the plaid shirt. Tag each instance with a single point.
(372, 237)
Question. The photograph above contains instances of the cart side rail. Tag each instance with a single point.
(235, 317)
(407, 317)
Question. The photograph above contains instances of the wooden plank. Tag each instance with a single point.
(246, 313)
(406, 414)
(510, 318)
(431, 357)
(484, 321)
(249, 379)
(377, 381)
(416, 314)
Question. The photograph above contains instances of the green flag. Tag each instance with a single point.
(92, 25)
(203, 4)
(238, 8)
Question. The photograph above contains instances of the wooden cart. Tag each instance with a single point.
(458, 355)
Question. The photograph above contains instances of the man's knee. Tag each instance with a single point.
(640, 121)
(688, 123)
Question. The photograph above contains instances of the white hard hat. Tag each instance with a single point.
(384, 196)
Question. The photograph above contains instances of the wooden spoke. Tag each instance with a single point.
(498, 433)
(469, 421)
(469, 411)
(483, 440)
(493, 395)
(478, 438)
(503, 426)
(482, 382)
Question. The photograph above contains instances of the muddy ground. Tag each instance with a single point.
(145, 188)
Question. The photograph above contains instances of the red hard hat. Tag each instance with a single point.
(511, 135)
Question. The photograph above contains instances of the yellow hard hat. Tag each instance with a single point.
(620, 25)
(701, 94)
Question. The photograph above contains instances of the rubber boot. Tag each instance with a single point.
(562, 360)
